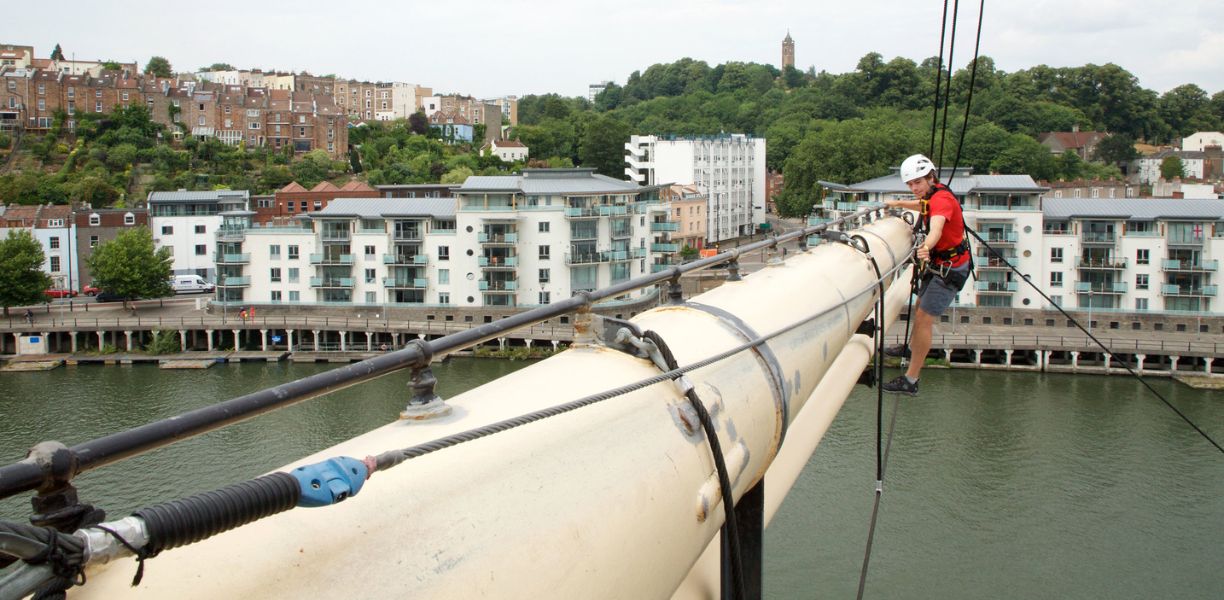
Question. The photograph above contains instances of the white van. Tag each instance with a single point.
(190, 284)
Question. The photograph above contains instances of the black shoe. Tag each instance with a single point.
(898, 351)
(901, 385)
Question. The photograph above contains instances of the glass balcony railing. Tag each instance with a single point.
(334, 259)
(664, 226)
(230, 281)
(1098, 237)
(1173, 289)
(1097, 287)
(1000, 237)
(497, 238)
(498, 262)
(1185, 265)
(231, 259)
(1092, 262)
(665, 248)
(996, 286)
(406, 282)
(498, 286)
(405, 259)
(617, 209)
(331, 282)
(656, 267)
(581, 212)
(639, 252)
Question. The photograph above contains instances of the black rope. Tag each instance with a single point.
(1125, 364)
(875, 507)
(960, 145)
(948, 92)
(62, 552)
(730, 523)
(141, 553)
(938, 77)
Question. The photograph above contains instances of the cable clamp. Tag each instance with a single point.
(331, 481)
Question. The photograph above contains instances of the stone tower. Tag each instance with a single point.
(788, 51)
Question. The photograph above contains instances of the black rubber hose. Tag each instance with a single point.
(189, 520)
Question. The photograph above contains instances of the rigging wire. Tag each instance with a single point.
(960, 145)
(938, 77)
(948, 88)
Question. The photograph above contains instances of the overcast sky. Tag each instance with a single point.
(523, 47)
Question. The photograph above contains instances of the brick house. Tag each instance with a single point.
(98, 226)
(1082, 143)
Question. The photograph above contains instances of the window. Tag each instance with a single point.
(276, 296)
(1141, 281)
(95, 220)
(545, 276)
(1056, 255)
(544, 252)
(93, 241)
(201, 229)
(42, 104)
(293, 252)
(55, 264)
(1141, 303)
(303, 205)
(274, 251)
(275, 274)
(54, 242)
(294, 274)
(443, 276)
(1056, 301)
(443, 252)
(201, 250)
(443, 297)
(1143, 256)
(167, 230)
(129, 219)
(544, 227)
(370, 274)
(544, 296)
(369, 252)
(295, 296)
(371, 297)
(1056, 279)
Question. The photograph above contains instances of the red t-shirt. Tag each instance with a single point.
(944, 204)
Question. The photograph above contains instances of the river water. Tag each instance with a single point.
(999, 485)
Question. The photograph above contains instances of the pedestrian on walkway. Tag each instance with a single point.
(242, 314)
(29, 316)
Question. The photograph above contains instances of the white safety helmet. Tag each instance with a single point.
(916, 166)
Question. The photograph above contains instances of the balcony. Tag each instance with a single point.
(583, 258)
(335, 235)
(615, 255)
(334, 259)
(638, 253)
(498, 262)
(1106, 264)
(1185, 265)
(666, 248)
(1096, 287)
(1000, 237)
(818, 221)
(621, 233)
(1185, 240)
(497, 238)
(617, 209)
(664, 226)
(405, 259)
(1098, 237)
(331, 282)
(231, 281)
(996, 287)
(983, 263)
(1172, 289)
(231, 259)
(578, 212)
(656, 267)
(498, 286)
(231, 234)
(411, 235)
(411, 283)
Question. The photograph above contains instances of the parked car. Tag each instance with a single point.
(60, 293)
(109, 297)
(90, 290)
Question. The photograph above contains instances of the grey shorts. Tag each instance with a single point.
(936, 296)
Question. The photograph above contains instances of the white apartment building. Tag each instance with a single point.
(1119, 254)
(1199, 140)
(510, 241)
(728, 169)
(1148, 167)
(187, 222)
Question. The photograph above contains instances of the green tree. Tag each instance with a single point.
(219, 67)
(1116, 149)
(603, 146)
(129, 267)
(1172, 167)
(457, 175)
(1187, 109)
(22, 279)
(158, 66)
(57, 53)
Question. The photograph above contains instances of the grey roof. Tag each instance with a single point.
(375, 208)
(1133, 209)
(204, 196)
(549, 181)
(962, 183)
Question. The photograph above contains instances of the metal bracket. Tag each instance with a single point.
(733, 273)
(867, 327)
(425, 403)
(57, 504)
(675, 293)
